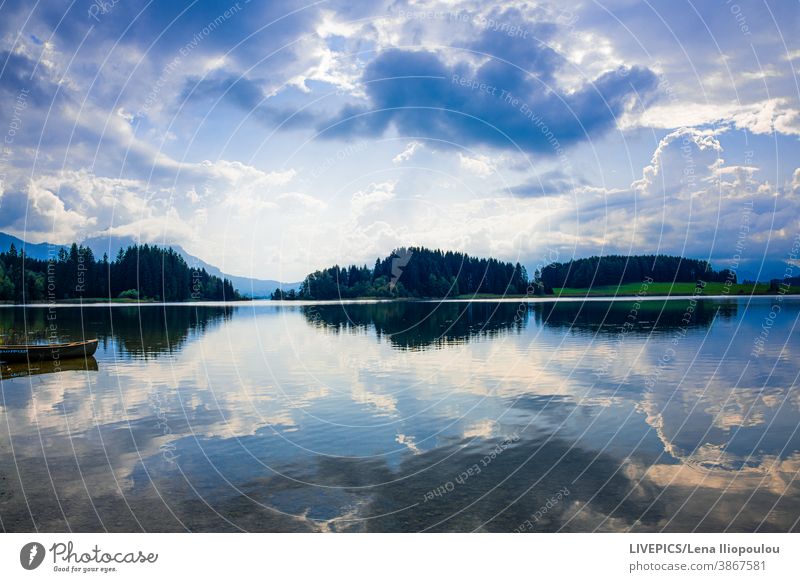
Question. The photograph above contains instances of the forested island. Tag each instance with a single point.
(138, 273)
(415, 272)
(418, 272)
(619, 270)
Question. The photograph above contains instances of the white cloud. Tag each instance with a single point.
(71, 205)
(479, 165)
(301, 201)
(125, 115)
(689, 202)
(764, 118)
(235, 172)
(412, 148)
(74, 204)
(167, 228)
(373, 195)
(73, 187)
(792, 55)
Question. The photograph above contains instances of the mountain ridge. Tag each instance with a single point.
(247, 286)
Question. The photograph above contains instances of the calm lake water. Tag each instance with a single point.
(567, 416)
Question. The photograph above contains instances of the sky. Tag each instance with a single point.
(275, 138)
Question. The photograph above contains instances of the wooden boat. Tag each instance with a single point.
(54, 352)
(22, 369)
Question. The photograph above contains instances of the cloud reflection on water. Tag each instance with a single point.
(295, 418)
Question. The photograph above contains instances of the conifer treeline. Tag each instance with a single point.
(619, 269)
(419, 272)
(138, 272)
(416, 272)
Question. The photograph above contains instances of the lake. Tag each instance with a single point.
(658, 415)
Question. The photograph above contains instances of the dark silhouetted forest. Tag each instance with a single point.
(142, 272)
(417, 272)
(618, 270)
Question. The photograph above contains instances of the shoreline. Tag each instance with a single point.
(369, 301)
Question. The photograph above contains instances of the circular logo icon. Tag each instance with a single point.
(31, 555)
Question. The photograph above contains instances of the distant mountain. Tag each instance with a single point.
(36, 251)
(247, 286)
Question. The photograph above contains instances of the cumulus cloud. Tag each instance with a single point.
(762, 118)
(234, 172)
(373, 195)
(117, 126)
(478, 165)
(71, 205)
(418, 93)
(689, 201)
(38, 215)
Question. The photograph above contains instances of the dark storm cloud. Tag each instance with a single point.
(134, 40)
(168, 26)
(247, 95)
(421, 95)
(523, 47)
(105, 58)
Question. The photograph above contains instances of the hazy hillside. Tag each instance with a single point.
(247, 286)
(35, 251)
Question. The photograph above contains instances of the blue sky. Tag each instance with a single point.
(275, 138)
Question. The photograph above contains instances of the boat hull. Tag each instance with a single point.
(9, 371)
(53, 352)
